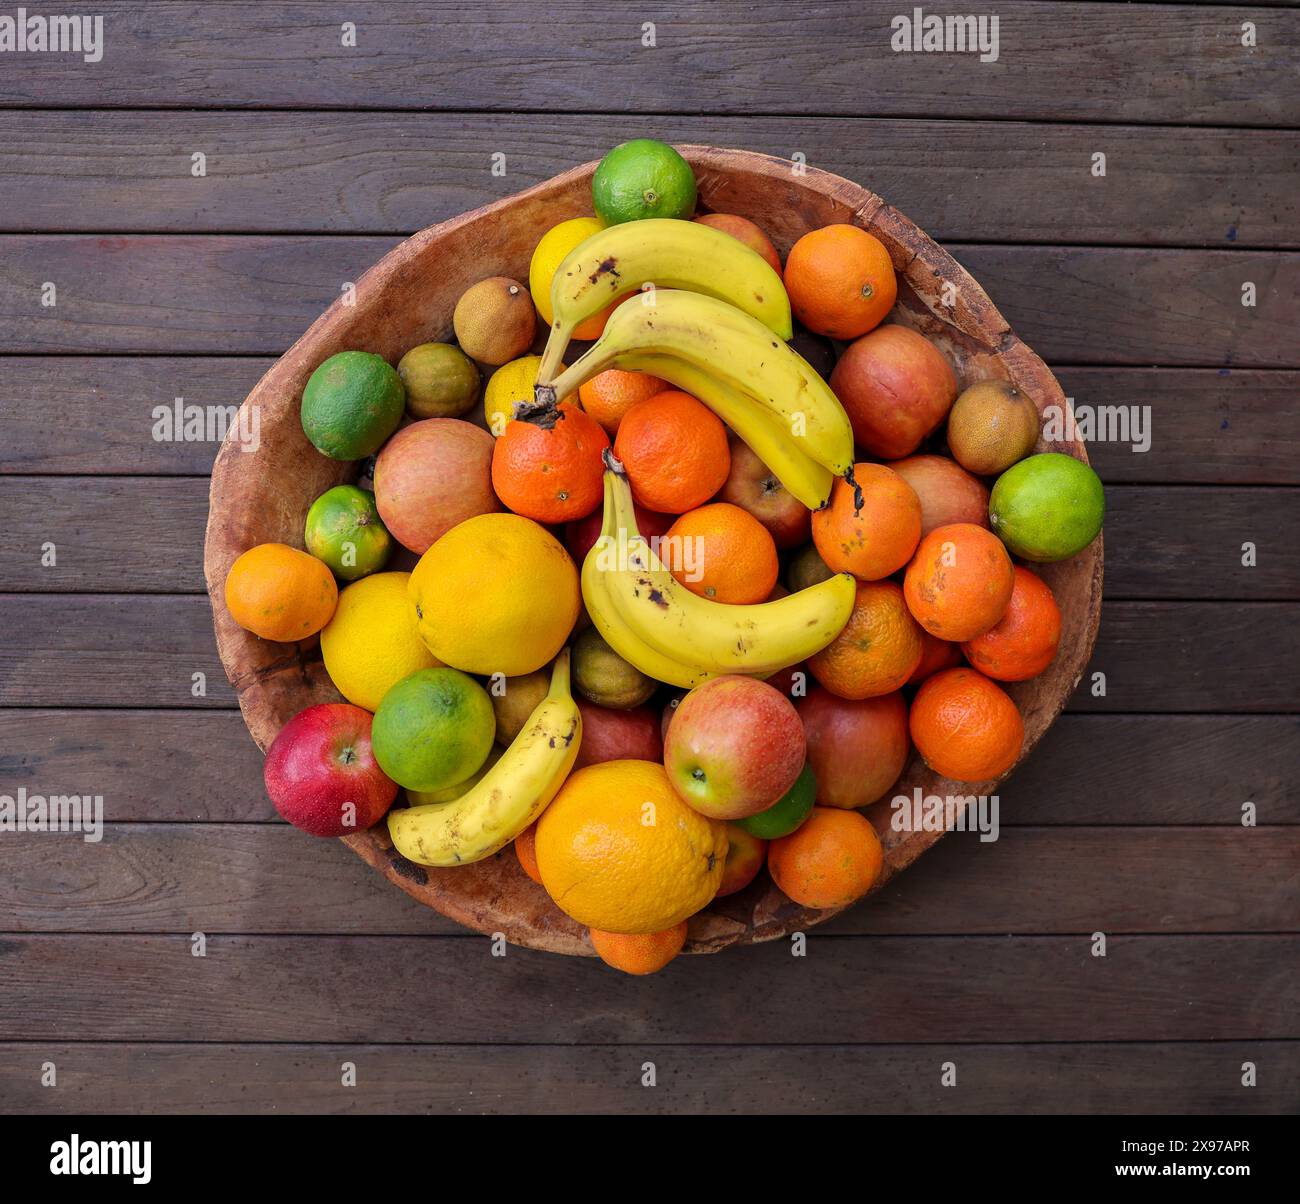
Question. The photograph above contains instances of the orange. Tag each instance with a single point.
(526, 851)
(721, 552)
(1024, 641)
(619, 850)
(609, 395)
(878, 649)
(874, 539)
(965, 727)
(831, 859)
(675, 451)
(959, 582)
(547, 463)
(645, 953)
(743, 230)
(936, 654)
(841, 281)
(280, 593)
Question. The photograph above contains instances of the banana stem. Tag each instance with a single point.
(560, 677)
(557, 343)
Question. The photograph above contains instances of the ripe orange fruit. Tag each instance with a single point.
(830, 860)
(745, 231)
(526, 851)
(609, 395)
(721, 552)
(936, 654)
(965, 727)
(841, 281)
(644, 953)
(879, 537)
(878, 649)
(675, 451)
(547, 463)
(1023, 642)
(280, 593)
(959, 582)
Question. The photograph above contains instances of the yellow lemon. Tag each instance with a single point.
(371, 643)
(556, 243)
(496, 594)
(620, 851)
(508, 386)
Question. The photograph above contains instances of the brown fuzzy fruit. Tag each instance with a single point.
(495, 320)
(992, 425)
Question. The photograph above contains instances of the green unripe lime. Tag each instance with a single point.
(643, 178)
(351, 404)
(1047, 507)
(441, 381)
(787, 813)
(345, 531)
(433, 729)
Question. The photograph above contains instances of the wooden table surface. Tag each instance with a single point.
(319, 157)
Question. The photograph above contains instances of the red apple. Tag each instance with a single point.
(322, 775)
(432, 475)
(610, 735)
(857, 748)
(743, 230)
(753, 486)
(896, 387)
(581, 534)
(745, 857)
(948, 493)
(735, 746)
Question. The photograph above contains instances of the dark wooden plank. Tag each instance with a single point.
(846, 989)
(1071, 60)
(1174, 1078)
(1157, 769)
(397, 172)
(267, 878)
(255, 294)
(96, 414)
(145, 535)
(94, 650)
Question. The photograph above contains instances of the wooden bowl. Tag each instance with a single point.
(408, 298)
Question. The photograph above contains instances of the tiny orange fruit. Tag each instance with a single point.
(547, 463)
(831, 859)
(525, 846)
(841, 281)
(965, 727)
(959, 582)
(609, 395)
(675, 451)
(936, 654)
(877, 650)
(280, 593)
(876, 537)
(643, 953)
(722, 552)
(1023, 642)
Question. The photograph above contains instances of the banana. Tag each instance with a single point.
(724, 342)
(638, 595)
(512, 794)
(668, 253)
(769, 440)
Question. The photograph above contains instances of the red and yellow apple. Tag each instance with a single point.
(745, 857)
(857, 748)
(618, 735)
(754, 487)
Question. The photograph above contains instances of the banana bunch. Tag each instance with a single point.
(655, 623)
(667, 253)
(512, 794)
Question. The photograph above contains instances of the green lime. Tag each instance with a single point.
(433, 729)
(418, 798)
(1047, 507)
(788, 812)
(441, 380)
(351, 404)
(345, 531)
(643, 178)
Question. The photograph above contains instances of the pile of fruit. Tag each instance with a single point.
(655, 617)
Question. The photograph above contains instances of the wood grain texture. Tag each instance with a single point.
(145, 535)
(846, 989)
(192, 766)
(68, 650)
(372, 173)
(1174, 1078)
(269, 878)
(96, 415)
(255, 294)
(1079, 61)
